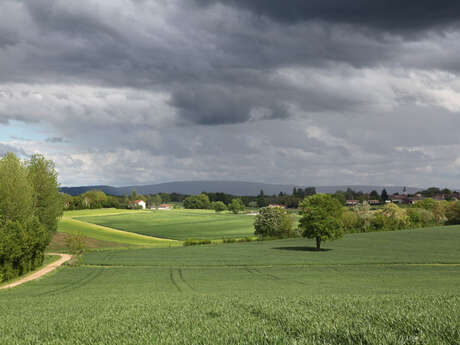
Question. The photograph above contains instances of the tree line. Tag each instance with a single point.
(323, 218)
(30, 205)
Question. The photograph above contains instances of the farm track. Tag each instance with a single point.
(40, 273)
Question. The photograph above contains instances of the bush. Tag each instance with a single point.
(195, 242)
(218, 206)
(453, 213)
(197, 202)
(273, 222)
(351, 221)
(239, 240)
(76, 244)
(236, 206)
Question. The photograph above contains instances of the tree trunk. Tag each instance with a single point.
(318, 243)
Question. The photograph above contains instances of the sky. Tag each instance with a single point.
(319, 92)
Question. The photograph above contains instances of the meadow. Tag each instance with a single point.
(176, 224)
(375, 288)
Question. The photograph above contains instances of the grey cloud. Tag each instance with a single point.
(4, 149)
(55, 140)
(298, 92)
(391, 15)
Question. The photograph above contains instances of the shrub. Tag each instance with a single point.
(453, 213)
(236, 206)
(76, 244)
(200, 201)
(239, 240)
(351, 221)
(274, 222)
(195, 242)
(218, 206)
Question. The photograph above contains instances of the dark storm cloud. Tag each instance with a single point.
(382, 14)
(287, 91)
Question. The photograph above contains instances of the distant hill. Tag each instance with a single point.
(229, 187)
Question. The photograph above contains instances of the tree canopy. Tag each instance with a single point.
(321, 218)
(273, 222)
(30, 205)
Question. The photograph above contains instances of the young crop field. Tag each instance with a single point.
(421, 246)
(177, 224)
(375, 288)
(69, 225)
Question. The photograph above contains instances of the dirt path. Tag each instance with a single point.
(45, 270)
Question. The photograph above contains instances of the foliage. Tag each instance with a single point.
(156, 201)
(321, 218)
(76, 243)
(273, 222)
(195, 242)
(236, 206)
(218, 206)
(453, 213)
(252, 204)
(47, 199)
(29, 207)
(239, 240)
(351, 221)
(394, 217)
(196, 202)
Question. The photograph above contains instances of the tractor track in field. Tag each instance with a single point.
(173, 281)
(40, 273)
(177, 279)
(184, 281)
(73, 285)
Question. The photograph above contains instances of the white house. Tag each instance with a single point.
(141, 203)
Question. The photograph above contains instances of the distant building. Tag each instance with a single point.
(276, 205)
(352, 202)
(374, 202)
(165, 207)
(139, 203)
(405, 199)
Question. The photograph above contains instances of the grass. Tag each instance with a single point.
(376, 288)
(422, 246)
(74, 226)
(177, 224)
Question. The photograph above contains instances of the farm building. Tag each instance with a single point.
(139, 203)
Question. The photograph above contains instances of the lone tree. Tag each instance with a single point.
(321, 218)
(273, 222)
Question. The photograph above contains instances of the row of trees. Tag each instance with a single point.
(202, 202)
(30, 205)
(321, 219)
(324, 218)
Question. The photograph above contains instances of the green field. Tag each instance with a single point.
(376, 288)
(70, 225)
(176, 224)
